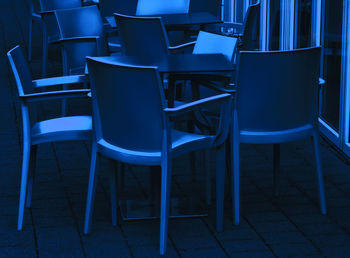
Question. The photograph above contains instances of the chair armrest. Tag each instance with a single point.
(54, 81)
(321, 82)
(114, 47)
(182, 46)
(36, 16)
(197, 104)
(221, 89)
(46, 13)
(111, 21)
(41, 96)
(82, 39)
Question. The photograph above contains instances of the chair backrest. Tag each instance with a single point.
(128, 104)
(211, 43)
(142, 36)
(156, 7)
(210, 6)
(49, 19)
(34, 6)
(251, 32)
(50, 5)
(277, 90)
(80, 22)
(108, 7)
(20, 69)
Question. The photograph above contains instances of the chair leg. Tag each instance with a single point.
(31, 172)
(276, 168)
(192, 155)
(166, 167)
(30, 39)
(193, 166)
(113, 191)
(24, 181)
(45, 53)
(64, 103)
(235, 172)
(121, 176)
(206, 157)
(220, 186)
(319, 173)
(64, 87)
(91, 189)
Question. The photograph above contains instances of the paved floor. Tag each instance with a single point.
(288, 225)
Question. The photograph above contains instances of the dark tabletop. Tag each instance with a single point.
(181, 19)
(178, 64)
(187, 19)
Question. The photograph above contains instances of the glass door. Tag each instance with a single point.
(274, 25)
(332, 69)
(346, 80)
(303, 21)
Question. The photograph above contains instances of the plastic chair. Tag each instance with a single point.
(208, 43)
(248, 32)
(81, 35)
(51, 130)
(144, 36)
(50, 26)
(156, 7)
(249, 39)
(211, 43)
(276, 105)
(123, 133)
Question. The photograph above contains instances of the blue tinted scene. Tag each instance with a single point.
(175, 128)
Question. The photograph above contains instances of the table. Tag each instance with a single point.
(172, 21)
(189, 19)
(172, 65)
(178, 64)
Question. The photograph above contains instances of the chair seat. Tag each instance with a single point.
(114, 44)
(181, 142)
(62, 129)
(276, 136)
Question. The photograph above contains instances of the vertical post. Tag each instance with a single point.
(264, 24)
(296, 17)
(229, 10)
(316, 23)
(291, 24)
(237, 10)
(345, 79)
(287, 24)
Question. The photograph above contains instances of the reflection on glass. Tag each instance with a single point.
(274, 30)
(238, 11)
(304, 12)
(332, 35)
